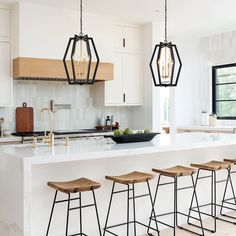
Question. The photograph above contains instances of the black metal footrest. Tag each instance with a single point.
(79, 234)
(154, 218)
(122, 224)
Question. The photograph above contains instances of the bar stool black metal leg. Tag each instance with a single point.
(212, 184)
(134, 211)
(109, 209)
(96, 209)
(154, 202)
(197, 204)
(53, 206)
(153, 209)
(128, 209)
(80, 213)
(175, 205)
(68, 214)
(229, 180)
(214, 203)
(191, 204)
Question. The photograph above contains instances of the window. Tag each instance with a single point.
(224, 91)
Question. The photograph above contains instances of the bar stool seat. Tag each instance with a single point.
(133, 177)
(176, 171)
(74, 186)
(233, 161)
(213, 165)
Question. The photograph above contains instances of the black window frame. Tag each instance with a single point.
(214, 86)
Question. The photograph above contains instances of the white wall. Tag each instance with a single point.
(185, 97)
(215, 50)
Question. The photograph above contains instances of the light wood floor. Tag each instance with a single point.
(223, 229)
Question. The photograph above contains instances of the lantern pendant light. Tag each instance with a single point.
(165, 63)
(81, 59)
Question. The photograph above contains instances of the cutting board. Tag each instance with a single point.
(24, 118)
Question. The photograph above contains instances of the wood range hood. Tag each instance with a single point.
(25, 68)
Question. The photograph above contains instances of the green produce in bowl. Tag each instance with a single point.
(139, 132)
(127, 131)
(118, 132)
(147, 131)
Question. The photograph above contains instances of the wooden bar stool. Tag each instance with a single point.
(129, 179)
(73, 187)
(175, 173)
(212, 167)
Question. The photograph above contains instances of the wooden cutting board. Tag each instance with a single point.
(24, 118)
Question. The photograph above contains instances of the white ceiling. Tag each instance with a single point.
(198, 16)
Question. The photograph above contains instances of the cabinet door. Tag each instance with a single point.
(132, 78)
(114, 88)
(5, 23)
(5, 74)
(132, 38)
(118, 34)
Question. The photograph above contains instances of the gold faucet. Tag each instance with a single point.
(49, 139)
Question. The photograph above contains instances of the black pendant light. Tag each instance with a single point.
(165, 63)
(81, 59)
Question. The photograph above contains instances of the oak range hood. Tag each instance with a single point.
(25, 68)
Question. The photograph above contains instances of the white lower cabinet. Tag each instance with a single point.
(5, 74)
(125, 89)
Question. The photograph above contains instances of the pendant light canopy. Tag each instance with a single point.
(165, 63)
(81, 59)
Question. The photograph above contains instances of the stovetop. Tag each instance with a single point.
(62, 132)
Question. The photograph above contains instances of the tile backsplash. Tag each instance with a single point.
(83, 114)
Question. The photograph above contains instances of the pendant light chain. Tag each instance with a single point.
(166, 21)
(81, 17)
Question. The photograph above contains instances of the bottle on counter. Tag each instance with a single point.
(108, 121)
(204, 118)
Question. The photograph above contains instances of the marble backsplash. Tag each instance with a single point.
(84, 113)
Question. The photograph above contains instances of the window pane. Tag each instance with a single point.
(226, 92)
(226, 109)
(226, 75)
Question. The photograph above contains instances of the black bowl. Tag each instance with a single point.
(134, 138)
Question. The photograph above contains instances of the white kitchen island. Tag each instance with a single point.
(26, 199)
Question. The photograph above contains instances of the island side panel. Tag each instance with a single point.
(11, 196)
(42, 195)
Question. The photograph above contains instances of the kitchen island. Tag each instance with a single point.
(24, 172)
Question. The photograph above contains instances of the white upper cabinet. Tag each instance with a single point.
(114, 88)
(127, 38)
(5, 23)
(5, 74)
(125, 89)
(131, 78)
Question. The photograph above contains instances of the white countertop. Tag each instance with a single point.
(229, 128)
(105, 148)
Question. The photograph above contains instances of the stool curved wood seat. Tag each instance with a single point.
(133, 177)
(74, 186)
(213, 165)
(231, 161)
(175, 171)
